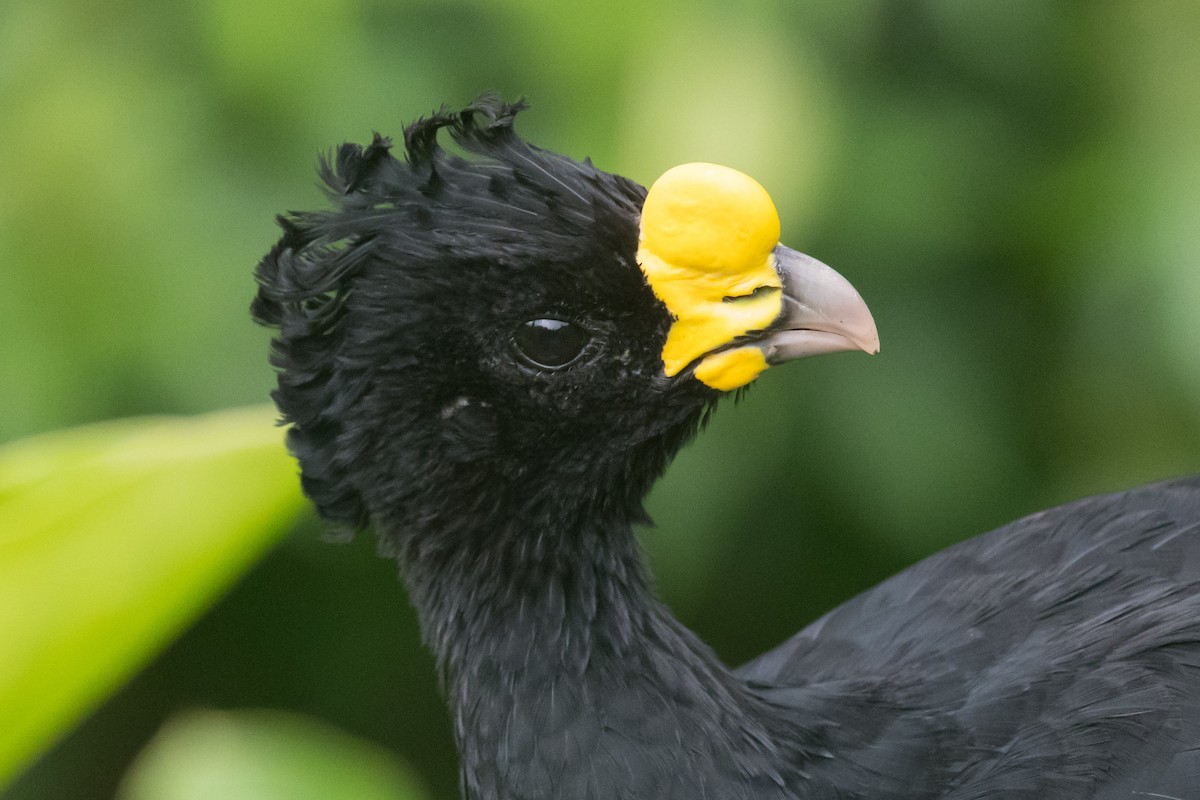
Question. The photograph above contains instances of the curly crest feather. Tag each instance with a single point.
(506, 202)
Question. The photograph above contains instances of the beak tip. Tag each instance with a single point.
(871, 348)
(867, 338)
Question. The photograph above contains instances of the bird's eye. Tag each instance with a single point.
(550, 343)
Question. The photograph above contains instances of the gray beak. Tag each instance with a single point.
(822, 312)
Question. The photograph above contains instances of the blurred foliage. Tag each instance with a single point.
(114, 536)
(1014, 187)
(256, 755)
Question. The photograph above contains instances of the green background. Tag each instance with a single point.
(1013, 186)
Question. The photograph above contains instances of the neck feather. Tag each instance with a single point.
(556, 657)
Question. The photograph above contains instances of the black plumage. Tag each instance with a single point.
(1057, 657)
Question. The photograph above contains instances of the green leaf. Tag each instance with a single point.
(263, 755)
(115, 536)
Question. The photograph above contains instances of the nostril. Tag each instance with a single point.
(758, 292)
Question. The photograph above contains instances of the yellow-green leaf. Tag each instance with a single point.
(112, 538)
(263, 755)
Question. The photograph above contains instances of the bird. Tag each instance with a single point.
(487, 353)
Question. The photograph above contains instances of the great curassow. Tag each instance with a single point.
(489, 357)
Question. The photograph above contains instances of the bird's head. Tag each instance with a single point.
(507, 329)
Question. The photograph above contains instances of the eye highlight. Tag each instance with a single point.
(550, 343)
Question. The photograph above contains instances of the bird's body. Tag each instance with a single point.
(1058, 656)
(474, 356)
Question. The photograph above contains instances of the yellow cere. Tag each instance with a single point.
(707, 233)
